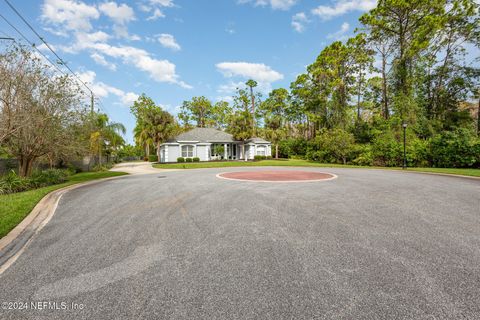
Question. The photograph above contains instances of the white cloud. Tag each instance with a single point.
(168, 41)
(275, 4)
(298, 21)
(98, 58)
(342, 7)
(159, 70)
(155, 6)
(256, 71)
(340, 35)
(103, 90)
(157, 13)
(120, 14)
(72, 14)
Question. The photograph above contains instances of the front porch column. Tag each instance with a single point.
(225, 152)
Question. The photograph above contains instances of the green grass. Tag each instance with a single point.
(16, 206)
(304, 163)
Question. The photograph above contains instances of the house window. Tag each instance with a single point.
(187, 151)
(261, 151)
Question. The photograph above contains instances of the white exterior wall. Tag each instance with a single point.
(173, 153)
(202, 152)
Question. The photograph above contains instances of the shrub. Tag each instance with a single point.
(332, 146)
(102, 167)
(188, 160)
(362, 155)
(259, 158)
(153, 158)
(292, 148)
(11, 182)
(459, 148)
(387, 150)
(180, 159)
(48, 177)
(269, 157)
(196, 159)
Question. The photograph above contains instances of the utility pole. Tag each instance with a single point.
(404, 125)
(92, 102)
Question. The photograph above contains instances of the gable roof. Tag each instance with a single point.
(204, 135)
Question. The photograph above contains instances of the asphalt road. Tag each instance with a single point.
(371, 244)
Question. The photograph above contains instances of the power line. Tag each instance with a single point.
(39, 51)
(48, 46)
(62, 62)
(32, 44)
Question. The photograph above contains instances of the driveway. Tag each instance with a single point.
(140, 167)
(370, 244)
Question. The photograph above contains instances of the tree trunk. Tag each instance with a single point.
(384, 87)
(25, 166)
(158, 152)
(478, 114)
(147, 150)
(276, 151)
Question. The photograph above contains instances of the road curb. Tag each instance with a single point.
(14, 243)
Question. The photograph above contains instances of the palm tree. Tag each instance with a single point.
(105, 133)
(252, 84)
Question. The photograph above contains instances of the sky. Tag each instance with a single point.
(172, 50)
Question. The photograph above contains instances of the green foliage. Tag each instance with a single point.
(153, 158)
(458, 149)
(292, 147)
(196, 159)
(180, 159)
(188, 160)
(102, 167)
(331, 146)
(12, 182)
(259, 158)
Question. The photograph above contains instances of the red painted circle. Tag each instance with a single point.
(277, 176)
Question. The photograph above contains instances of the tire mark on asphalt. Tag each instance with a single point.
(142, 258)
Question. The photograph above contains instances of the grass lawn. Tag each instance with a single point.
(303, 163)
(16, 206)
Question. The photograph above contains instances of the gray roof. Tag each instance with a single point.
(204, 135)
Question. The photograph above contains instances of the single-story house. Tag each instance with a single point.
(204, 143)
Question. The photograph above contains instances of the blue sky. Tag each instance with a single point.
(175, 49)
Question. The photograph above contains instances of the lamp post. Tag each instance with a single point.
(404, 125)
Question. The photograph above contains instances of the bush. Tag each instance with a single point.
(269, 157)
(196, 159)
(387, 150)
(48, 177)
(11, 183)
(102, 167)
(458, 149)
(153, 158)
(259, 158)
(331, 146)
(292, 148)
(180, 159)
(188, 160)
(362, 155)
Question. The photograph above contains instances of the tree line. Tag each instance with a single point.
(44, 117)
(407, 64)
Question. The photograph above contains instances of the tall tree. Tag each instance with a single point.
(37, 108)
(252, 84)
(200, 110)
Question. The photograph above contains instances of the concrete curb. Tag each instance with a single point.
(15, 242)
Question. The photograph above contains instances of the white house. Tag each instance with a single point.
(203, 142)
